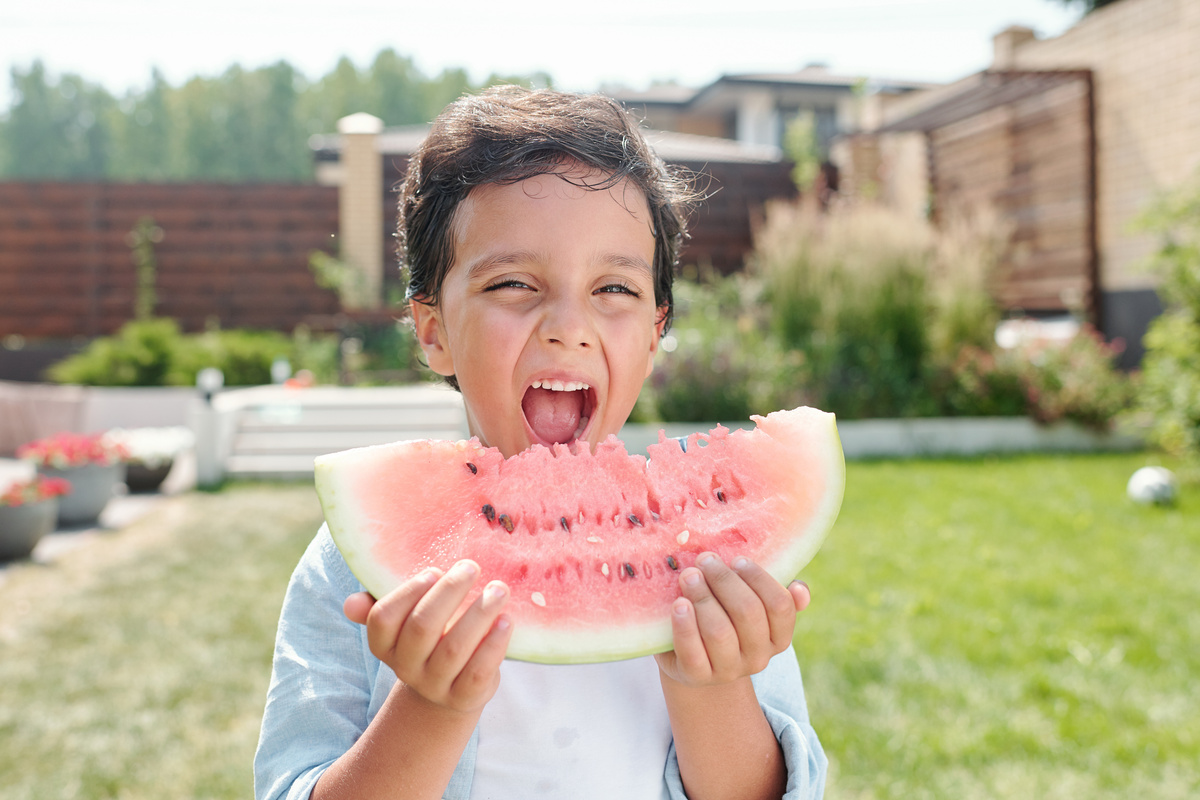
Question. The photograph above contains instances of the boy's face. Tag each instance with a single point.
(547, 316)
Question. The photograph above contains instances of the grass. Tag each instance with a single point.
(981, 629)
(138, 666)
(1006, 628)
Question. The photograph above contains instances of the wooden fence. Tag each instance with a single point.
(236, 254)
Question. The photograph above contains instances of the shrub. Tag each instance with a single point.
(1170, 388)
(142, 353)
(984, 382)
(849, 291)
(155, 352)
(1076, 381)
(717, 364)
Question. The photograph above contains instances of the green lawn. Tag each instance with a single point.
(1007, 628)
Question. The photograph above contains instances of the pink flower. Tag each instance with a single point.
(66, 449)
(34, 490)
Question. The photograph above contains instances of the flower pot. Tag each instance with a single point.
(92, 486)
(23, 526)
(141, 478)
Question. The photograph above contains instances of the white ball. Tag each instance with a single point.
(1153, 485)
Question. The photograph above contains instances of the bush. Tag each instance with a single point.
(1170, 388)
(984, 382)
(142, 353)
(155, 352)
(1076, 381)
(717, 364)
(849, 291)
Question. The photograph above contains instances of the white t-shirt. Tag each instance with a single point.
(540, 736)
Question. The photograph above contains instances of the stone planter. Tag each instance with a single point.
(141, 479)
(23, 526)
(92, 486)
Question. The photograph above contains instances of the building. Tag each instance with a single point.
(1069, 139)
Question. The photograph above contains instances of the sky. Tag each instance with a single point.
(583, 45)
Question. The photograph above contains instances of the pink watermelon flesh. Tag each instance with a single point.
(590, 543)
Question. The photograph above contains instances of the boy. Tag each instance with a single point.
(540, 234)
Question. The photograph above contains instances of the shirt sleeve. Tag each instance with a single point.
(318, 700)
(780, 692)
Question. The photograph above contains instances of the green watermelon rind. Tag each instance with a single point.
(625, 641)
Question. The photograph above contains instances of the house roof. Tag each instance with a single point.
(670, 146)
(977, 93)
(813, 78)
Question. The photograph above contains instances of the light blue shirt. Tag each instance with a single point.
(326, 687)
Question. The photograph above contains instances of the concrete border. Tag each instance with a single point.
(934, 436)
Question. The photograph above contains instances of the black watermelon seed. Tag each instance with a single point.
(565, 526)
(474, 469)
(629, 569)
(507, 522)
(636, 522)
(489, 512)
(672, 563)
(721, 495)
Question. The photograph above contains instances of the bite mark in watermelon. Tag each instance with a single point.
(590, 543)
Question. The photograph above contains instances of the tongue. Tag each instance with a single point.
(553, 416)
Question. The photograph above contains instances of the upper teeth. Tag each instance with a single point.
(560, 386)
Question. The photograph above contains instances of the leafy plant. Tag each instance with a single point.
(849, 291)
(1169, 392)
(68, 449)
(141, 353)
(34, 490)
(1077, 381)
(155, 352)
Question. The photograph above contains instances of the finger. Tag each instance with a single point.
(717, 631)
(801, 594)
(690, 657)
(466, 634)
(775, 599)
(424, 627)
(480, 676)
(740, 602)
(386, 616)
(357, 606)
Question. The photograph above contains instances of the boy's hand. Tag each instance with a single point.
(729, 622)
(452, 663)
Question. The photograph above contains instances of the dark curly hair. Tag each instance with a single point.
(507, 134)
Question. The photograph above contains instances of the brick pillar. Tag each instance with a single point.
(360, 209)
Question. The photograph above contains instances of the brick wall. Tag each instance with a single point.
(1145, 60)
(237, 254)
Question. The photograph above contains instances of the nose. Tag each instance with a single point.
(567, 323)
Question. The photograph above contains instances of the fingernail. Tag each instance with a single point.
(680, 608)
(707, 560)
(740, 562)
(502, 624)
(691, 578)
(494, 591)
(470, 568)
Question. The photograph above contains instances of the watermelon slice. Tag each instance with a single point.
(589, 543)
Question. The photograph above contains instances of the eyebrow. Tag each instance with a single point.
(510, 257)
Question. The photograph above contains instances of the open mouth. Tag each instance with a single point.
(558, 412)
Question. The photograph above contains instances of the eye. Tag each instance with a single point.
(507, 283)
(619, 287)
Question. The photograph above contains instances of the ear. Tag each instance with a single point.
(660, 325)
(431, 335)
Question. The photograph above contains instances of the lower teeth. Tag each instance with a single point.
(583, 421)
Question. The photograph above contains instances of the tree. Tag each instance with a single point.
(56, 129)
